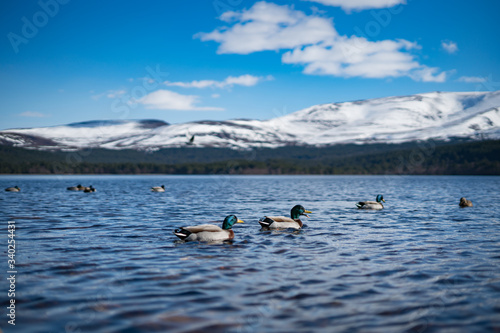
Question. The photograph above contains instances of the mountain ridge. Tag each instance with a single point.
(397, 119)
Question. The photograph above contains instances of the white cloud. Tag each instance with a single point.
(350, 57)
(471, 79)
(246, 80)
(194, 84)
(33, 114)
(170, 100)
(349, 5)
(267, 26)
(428, 74)
(146, 79)
(313, 42)
(215, 95)
(115, 93)
(243, 80)
(108, 94)
(449, 46)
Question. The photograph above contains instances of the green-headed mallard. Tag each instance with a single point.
(465, 203)
(89, 189)
(13, 189)
(372, 204)
(158, 188)
(282, 222)
(209, 232)
(78, 187)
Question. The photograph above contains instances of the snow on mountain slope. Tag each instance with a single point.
(396, 119)
(434, 115)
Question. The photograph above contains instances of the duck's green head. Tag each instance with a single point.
(229, 221)
(297, 211)
(380, 198)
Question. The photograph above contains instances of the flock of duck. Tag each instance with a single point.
(210, 232)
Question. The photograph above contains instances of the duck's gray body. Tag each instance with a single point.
(13, 189)
(280, 222)
(204, 233)
(369, 205)
(158, 188)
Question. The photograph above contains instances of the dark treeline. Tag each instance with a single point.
(432, 158)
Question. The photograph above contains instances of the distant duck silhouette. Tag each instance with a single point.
(465, 203)
(89, 189)
(372, 204)
(158, 188)
(13, 189)
(76, 188)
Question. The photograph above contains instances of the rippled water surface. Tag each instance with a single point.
(109, 262)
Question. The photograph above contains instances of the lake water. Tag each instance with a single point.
(109, 262)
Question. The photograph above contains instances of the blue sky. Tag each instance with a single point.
(64, 61)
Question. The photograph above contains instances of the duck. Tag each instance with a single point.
(209, 232)
(282, 222)
(89, 189)
(372, 204)
(78, 187)
(13, 189)
(158, 188)
(465, 203)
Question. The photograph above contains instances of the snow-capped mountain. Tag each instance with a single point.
(437, 115)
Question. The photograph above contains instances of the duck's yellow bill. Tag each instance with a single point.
(383, 200)
(307, 211)
(240, 221)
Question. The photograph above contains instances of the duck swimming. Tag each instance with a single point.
(209, 232)
(464, 202)
(372, 204)
(282, 222)
(89, 189)
(158, 188)
(13, 189)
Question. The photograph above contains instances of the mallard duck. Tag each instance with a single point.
(209, 232)
(282, 222)
(372, 204)
(89, 189)
(465, 203)
(158, 188)
(76, 188)
(13, 189)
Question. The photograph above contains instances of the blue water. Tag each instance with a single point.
(109, 262)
